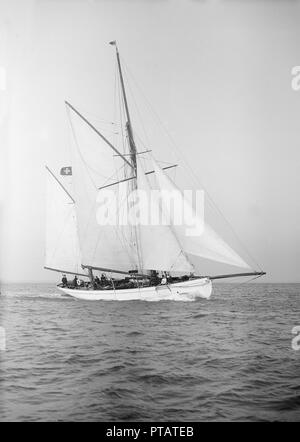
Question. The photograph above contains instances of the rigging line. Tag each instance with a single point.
(135, 242)
(95, 116)
(177, 258)
(139, 245)
(61, 185)
(136, 135)
(135, 230)
(110, 132)
(122, 126)
(88, 168)
(136, 106)
(96, 131)
(122, 111)
(116, 109)
(115, 174)
(116, 116)
(196, 178)
(115, 104)
(99, 120)
(132, 185)
(164, 162)
(247, 282)
(133, 239)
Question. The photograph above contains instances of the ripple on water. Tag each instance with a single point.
(226, 359)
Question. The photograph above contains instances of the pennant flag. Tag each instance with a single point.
(113, 43)
(66, 171)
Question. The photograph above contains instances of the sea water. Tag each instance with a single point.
(230, 358)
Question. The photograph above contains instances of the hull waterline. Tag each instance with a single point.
(188, 290)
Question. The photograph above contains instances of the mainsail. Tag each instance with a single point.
(62, 246)
(159, 247)
(96, 171)
(95, 166)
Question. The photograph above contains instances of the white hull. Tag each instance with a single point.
(187, 291)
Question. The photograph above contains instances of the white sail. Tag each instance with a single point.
(209, 244)
(62, 246)
(160, 248)
(95, 165)
(100, 224)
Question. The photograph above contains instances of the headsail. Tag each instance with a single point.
(209, 244)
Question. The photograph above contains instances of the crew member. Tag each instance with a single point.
(103, 279)
(64, 281)
(75, 283)
(164, 279)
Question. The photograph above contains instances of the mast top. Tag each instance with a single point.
(114, 43)
(132, 145)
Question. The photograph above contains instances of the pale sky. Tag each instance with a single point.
(218, 73)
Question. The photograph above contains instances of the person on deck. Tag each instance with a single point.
(75, 283)
(164, 279)
(169, 278)
(64, 281)
(154, 279)
(97, 282)
(103, 280)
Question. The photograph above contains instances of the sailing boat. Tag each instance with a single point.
(78, 244)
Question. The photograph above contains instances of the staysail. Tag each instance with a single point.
(62, 247)
(159, 246)
(208, 244)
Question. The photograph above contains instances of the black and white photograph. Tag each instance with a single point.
(149, 213)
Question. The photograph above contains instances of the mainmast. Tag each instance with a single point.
(133, 155)
(128, 123)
